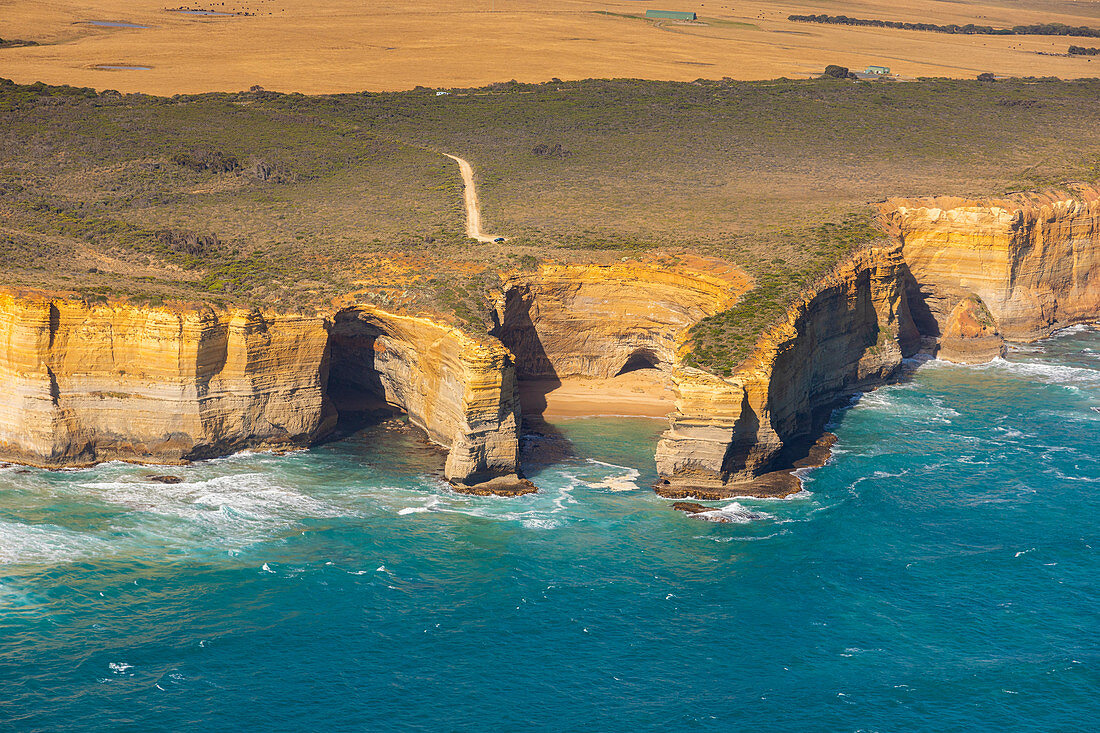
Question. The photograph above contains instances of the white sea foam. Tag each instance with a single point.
(240, 498)
(929, 410)
(495, 508)
(1070, 330)
(735, 513)
(622, 482)
(878, 398)
(1057, 374)
(45, 543)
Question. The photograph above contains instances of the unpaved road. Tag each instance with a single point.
(473, 211)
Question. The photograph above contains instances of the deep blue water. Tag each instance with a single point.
(940, 574)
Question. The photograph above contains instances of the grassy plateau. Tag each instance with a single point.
(289, 201)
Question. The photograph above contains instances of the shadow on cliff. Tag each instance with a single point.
(840, 367)
(541, 443)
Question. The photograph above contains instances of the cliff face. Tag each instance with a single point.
(597, 320)
(1034, 261)
(87, 384)
(458, 388)
(970, 273)
(159, 385)
(93, 383)
(852, 332)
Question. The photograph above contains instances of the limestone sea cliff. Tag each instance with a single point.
(89, 383)
(600, 320)
(1033, 261)
(960, 276)
(94, 382)
(458, 387)
(851, 332)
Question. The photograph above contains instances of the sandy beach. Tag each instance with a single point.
(641, 393)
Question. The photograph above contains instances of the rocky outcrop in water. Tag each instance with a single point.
(970, 335)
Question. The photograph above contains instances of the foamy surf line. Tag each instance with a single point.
(45, 544)
(250, 495)
(1055, 374)
(553, 501)
(736, 513)
(626, 481)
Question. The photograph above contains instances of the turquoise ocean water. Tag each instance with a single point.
(941, 573)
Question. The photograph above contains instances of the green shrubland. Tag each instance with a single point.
(287, 200)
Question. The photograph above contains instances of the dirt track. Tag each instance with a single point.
(473, 210)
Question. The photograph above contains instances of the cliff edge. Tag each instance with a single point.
(958, 279)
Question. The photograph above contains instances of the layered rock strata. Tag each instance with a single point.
(1033, 261)
(964, 275)
(852, 332)
(601, 320)
(89, 383)
(970, 335)
(460, 389)
(93, 383)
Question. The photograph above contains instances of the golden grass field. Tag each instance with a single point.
(355, 45)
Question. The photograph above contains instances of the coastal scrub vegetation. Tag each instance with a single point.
(1034, 29)
(287, 201)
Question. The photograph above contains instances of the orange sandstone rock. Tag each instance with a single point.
(596, 320)
(970, 336)
(1034, 260)
(847, 335)
(90, 383)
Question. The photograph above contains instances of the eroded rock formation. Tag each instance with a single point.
(852, 332)
(92, 383)
(1034, 261)
(458, 388)
(600, 320)
(970, 335)
(89, 383)
(961, 274)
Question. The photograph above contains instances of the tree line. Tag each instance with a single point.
(1037, 29)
